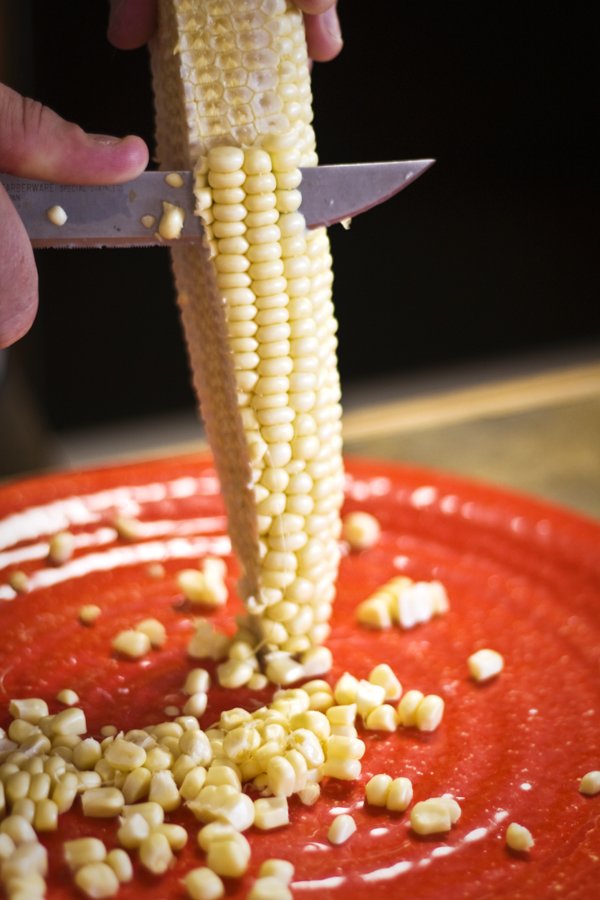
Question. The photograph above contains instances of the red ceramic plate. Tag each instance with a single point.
(523, 578)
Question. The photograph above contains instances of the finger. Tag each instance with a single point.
(323, 35)
(18, 276)
(132, 23)
(37, 143)
(314, 7)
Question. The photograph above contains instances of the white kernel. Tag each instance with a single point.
(519, 838)
(430, 712)
(270, 812)
(485, 664)
(342, 828)
(361, 530)
(89, 613)
(203, 884)
(590, 783)
(120, 862)
(56, 215)
(399, 794)
(155, 853)
(154, 630)
(131, 643)
(435, 815)
(377, 788)
(171, 221)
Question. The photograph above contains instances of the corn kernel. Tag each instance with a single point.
(229, 857)
(133, 830)
(120, 863)
(97, 880)
(485, 664)
(271, 812)
(407, 708)
(175, 834)
(89, 613)
(377, 788)
(131, 643)
(83, 851)
(519, 838)
(197, 681)
(269, 888)
(61, 548)
(87, 753)
(46, 815)
(384, 676)
(152, 812)
(18, 828)
(155, 853)
(154, 630)
(31, 709)
(435, 815)
(103, 802)
(203, 884)
(382, 718)
(125, 755)
(280, 869)
(429, 713)
(590, 783)
(164, 791)
(361, 530)
(342, 828)
(399, 794)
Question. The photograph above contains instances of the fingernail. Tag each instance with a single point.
(331, 23)
(107, 139)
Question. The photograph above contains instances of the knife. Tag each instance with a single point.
(128, 214)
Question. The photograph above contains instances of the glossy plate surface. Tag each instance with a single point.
(523, 578)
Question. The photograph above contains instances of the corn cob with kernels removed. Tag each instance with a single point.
(233, 101)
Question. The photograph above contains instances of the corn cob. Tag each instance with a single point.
(233, 101)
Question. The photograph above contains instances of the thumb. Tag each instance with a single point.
(35, 142)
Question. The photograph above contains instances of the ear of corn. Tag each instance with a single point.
(233, 101)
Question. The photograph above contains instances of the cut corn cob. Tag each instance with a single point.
(233, 100)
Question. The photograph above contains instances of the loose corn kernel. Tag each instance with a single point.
(384, 676)
(342, 828)
(17, 828)
(200, 587)
(361, 530)
(125, 755)
(164, 791)
(345, 689)
(193, 783)
(280, 869)
(407, 708)
(229, 857)
(120, 863)
(133, 830)
(203, 884)
(154, 630)
(83, 851)
(97, 880)
(343, 769)
(309, 795)
(68, 697)
(207, 642)
(590, 783)
(340, 747)
(31, 709)
(152, 812)
(271, 812)
(61, 548)
(175, 834)
(46, 815)
(223, 803)
(65, 791)
(155, 853)
(234, 673)
(18, 581)
(131, 643)
(269, 888)
(430, 712)
(485, 664)
(24, 807)
(7, 846)
(196, 705)
(69, 722)
(196, 744)
(519, 838)
(382, 718)
(103, 802)
(87, 753)
(399, 794)
(435, 815)
(89, 613)
(281, 777)
(196, 682)
(377, 788)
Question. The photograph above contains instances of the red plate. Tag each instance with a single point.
(523, 578)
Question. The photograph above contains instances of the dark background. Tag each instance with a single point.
(493, 251)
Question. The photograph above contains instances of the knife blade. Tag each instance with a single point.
(127, 215)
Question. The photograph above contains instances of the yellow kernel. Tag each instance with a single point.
(384, 676)
(155, 853)
(280, 869)
(271, 812)
(69, 722)
(31, 709)
(68, 697)
(485, 664)
(429, 713)
(228, 857)
(97, 880)
(131, 643)
(132, 831)
(399, 794)
(89, 613)
(519, 838)
(83, 851)
(361, 530)
(407, 708)
(61, 548)
(590, 783)
(175, 834)
(203, 884)
(377, 788)
(154, 630)
(171, 221)
(435, 815)
(120, 863)
(103, 802)
(341, 829)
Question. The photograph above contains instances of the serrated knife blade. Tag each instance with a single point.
(127, 215)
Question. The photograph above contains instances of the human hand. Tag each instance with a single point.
(133, 22)
(36, 143)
